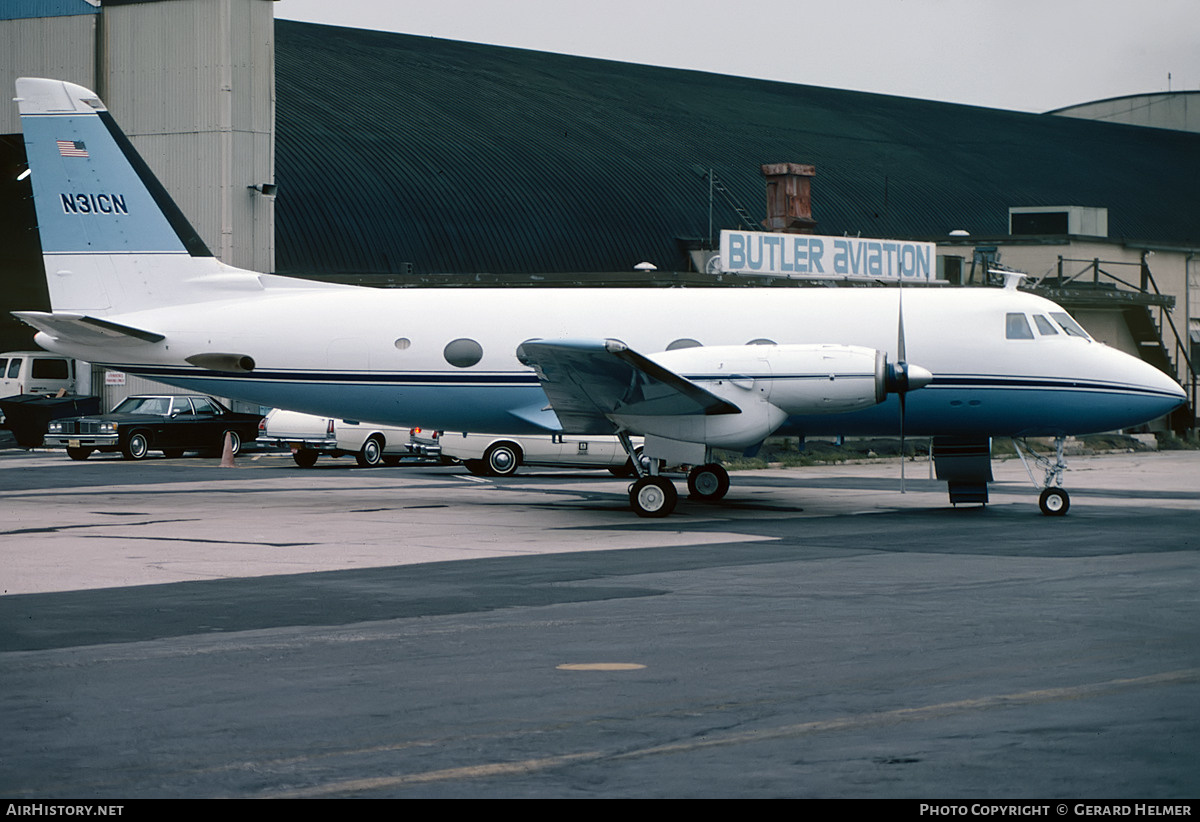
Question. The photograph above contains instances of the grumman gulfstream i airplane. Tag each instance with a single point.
(132, 287)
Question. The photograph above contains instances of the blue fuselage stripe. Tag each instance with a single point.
(504, 401)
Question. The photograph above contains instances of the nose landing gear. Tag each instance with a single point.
(1054, 499)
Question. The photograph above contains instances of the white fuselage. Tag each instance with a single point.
(382, 355)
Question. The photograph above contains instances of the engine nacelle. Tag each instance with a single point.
(768, 383)
(799, 379)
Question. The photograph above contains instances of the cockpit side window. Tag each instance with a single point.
(1069, 325)
(1017, 327)
(1044, 326)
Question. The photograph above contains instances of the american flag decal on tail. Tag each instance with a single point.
(71, 148)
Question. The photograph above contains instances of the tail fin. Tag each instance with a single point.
(107, 225)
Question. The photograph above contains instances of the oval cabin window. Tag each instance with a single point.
(463, 353)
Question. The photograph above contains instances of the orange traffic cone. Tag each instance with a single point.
(227, 452)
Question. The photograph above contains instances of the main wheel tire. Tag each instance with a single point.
(136, 447)
(79, 453)
(708, 482)
(653, 497)
(1054, 502)
(502, 459)
(305, 457)
(371, 453)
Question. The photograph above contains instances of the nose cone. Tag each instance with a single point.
(1139, 392)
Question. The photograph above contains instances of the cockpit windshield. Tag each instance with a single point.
(1069, 325)
(1017, 327)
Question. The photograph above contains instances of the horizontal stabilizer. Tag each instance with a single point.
(84, 329)
(587, 380)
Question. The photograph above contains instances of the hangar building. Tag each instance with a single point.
(405, 160)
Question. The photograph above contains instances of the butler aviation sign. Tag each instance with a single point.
(826, 258)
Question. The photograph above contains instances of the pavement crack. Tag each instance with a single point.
(54, 529)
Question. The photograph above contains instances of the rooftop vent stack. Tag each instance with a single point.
(789, 197)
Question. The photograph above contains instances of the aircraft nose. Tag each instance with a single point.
(1164, 393)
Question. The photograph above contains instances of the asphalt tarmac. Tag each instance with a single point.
(169, 628)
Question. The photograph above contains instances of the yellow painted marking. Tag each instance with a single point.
(924, 712)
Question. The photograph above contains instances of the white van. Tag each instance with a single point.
(35, 372)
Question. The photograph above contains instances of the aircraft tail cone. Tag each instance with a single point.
(227, 452)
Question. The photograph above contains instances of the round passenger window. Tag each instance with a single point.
(403, 343)
(463, 353)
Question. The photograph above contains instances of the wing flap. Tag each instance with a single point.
(587, 380)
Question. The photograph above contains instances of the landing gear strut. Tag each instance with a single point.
(650, 495)
(1054, 499)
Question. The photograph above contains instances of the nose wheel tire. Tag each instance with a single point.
(1054, 502)
(708, 482)
(653, 497)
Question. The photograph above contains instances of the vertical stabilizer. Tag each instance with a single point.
(112, 239)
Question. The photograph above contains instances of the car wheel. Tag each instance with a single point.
(79, 453)
(502, 459)
(136, 447)
(371, 453)
(305, 457)
(626, 470)
(235, 442)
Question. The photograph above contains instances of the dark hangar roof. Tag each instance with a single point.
(457, 157)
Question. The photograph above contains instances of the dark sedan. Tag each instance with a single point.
(140, 424)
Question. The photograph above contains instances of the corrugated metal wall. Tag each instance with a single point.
(192, 83)
(60, 47)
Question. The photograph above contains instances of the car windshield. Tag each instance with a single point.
(160, 406)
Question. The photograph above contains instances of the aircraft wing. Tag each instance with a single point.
(586, 380)
(84, 329)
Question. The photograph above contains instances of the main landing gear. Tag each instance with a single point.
(1054, 499)
(653, 495)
